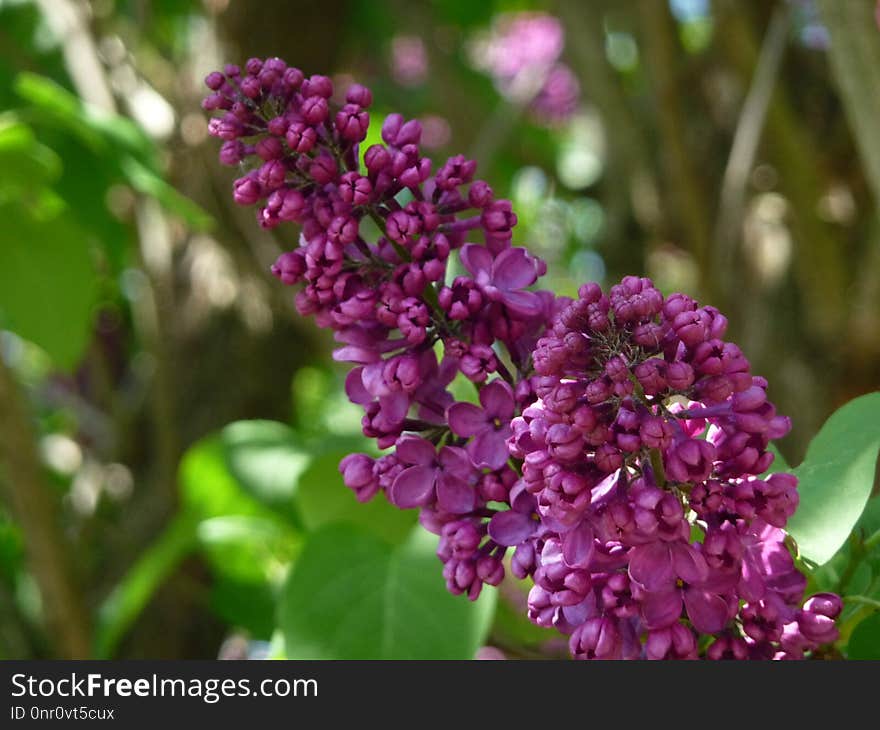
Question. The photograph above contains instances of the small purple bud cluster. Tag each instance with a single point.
(407, 328)
(633, 498)
(644, 454)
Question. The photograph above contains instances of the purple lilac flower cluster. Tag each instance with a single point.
(632, 497)
(644, 454)
(407, 329)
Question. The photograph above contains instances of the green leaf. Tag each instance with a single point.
(113, 137)
(48, 284)
(836, 478)
(246, 548)
(249, 606)
(95, 127)
(864, 643)
(208, 489)
(268, 460)
(25, 164)
(324, 499)
(352, 595)
(122, 607)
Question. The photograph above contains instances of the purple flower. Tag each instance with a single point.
(489, 426)
(431, 477)
(501, 278)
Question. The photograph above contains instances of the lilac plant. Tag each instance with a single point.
(615, 450)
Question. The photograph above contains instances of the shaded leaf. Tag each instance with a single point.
(323, 499)
(353, 596)
(864, 643)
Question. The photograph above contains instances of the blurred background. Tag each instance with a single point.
(725, 148)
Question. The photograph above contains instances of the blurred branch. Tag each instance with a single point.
(819, 255)
(628, 150)
(662, 54)
(745, 144)
(854, 54)
(68, 19)
(855, 60)
(36, 510)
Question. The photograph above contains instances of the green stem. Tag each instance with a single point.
(862, 599)
(872, 542)
(657, 466)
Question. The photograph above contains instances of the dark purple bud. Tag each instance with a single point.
(360, 95)
(377, 158)
(656, 432)
(214, 80)
(596, 638)
(271, 175)
(289, 267)
(253, 66)
(480, 194)
(314, 109)
(679, 375)
(323, 168)
(673, 642)
(358, 475)
(250, 87)
(269, 148)
(293, 78)
(352, 122)
(318, 86)
(232, 152)
(300, 137)
(246, 190)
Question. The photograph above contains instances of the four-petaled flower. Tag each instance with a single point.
(489, 425)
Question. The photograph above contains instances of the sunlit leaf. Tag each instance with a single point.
(836, 478)
(268, 460)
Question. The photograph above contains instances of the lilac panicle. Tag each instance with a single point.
(616, 455)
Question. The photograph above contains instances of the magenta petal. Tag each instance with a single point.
(497, 400)
(394, 407)
(751, 584)
(511, 528)
(456, 461)
(523, 304)
(453, 494)
(353, 353)
(477, 260)
(577, 546)
(373, 379)
(514, 269)
(354, 388)
(661, 609)
(415, 450)
(707, 611)
(489, 449)
(650, 565)
(688, 563)
(466, 419)
(413, 487)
